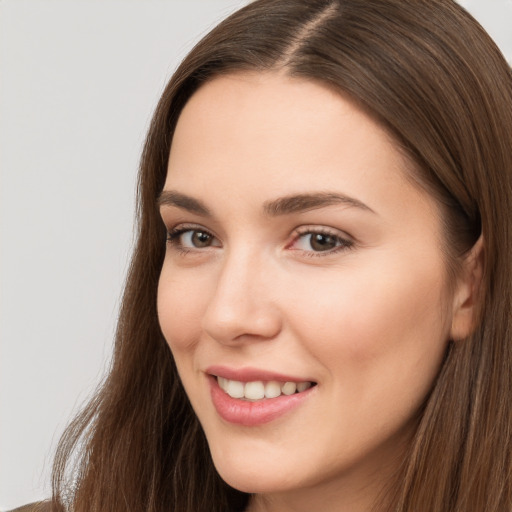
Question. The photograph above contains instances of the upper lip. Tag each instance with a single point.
(250, 374)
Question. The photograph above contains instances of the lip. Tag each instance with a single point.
(250, 374)
(251, 414)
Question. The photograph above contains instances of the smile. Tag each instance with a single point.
(260, 390)
(256, 402)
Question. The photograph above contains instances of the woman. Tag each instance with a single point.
(328, 325)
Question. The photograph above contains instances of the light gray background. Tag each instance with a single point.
(78, 83)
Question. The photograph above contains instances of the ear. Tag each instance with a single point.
(467, 293)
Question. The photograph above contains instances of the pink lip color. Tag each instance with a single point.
(249, 374)
(243, 412)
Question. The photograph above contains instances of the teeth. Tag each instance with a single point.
(258, 390)
(289, 388)
(235, 389)
(222, 383)
(302, 386)
(254, 390)
(272, 389)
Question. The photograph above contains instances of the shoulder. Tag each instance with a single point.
(40, 506)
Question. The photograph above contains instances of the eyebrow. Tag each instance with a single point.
(282, 206)
(172, 198)
(305, 202)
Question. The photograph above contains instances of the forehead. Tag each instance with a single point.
(260, 135)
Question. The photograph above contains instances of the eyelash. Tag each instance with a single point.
(343, 244)
(174, 235)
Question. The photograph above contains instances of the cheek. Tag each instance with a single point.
(180, 306)
(372, 326)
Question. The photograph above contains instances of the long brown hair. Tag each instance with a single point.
(435, 80)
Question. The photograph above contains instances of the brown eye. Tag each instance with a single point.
(199, 239)
(189, 239)
(314, 243)
(322, 241)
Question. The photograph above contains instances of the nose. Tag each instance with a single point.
(243, 306)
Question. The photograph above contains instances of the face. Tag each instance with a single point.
(304, 293)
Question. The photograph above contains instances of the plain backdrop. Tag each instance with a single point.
(78, 82)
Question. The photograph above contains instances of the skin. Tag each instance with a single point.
(368, 320)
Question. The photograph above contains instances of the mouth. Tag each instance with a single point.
(252, 397)
(258, 390)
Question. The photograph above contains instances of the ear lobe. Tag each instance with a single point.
(466, 299)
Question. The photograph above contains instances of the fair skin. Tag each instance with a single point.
(349, 295)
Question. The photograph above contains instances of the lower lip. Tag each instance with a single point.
(243, 412)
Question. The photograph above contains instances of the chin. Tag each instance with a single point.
(253, 476)
(254, 482)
